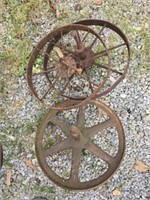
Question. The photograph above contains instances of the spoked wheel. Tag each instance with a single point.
(61, 65)
(1, 156)
(79, 149)
(118, 48)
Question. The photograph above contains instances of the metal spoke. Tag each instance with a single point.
(66, 84)
(96, 37)
(56, 148)
(100, 153)
(98, 127)
(46, 71)
(69, 86)
(104, 53)
(76, 36)
(50, 87)
(105, 67)
(81, 117)
(76, 154)
(62, 42)
(94, 84)
(88, 78)
(62, 124)
(85, 37)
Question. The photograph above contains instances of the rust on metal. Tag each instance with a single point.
(77, 66)
(79, 139)
(83, 56)
(77, 61)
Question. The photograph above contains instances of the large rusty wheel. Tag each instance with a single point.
(61, 65)
(1, 156)
(68, 145)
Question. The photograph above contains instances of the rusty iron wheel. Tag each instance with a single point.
(1, 156)
(64, 61)
(77, 139)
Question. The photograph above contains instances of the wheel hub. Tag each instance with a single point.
(83, 58)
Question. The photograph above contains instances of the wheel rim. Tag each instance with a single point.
(69, 88)
(78, 140)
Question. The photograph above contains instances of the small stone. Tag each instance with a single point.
(89, 159)
(123, 96)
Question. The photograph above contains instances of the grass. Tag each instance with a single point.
(19, 18)
(21, 23)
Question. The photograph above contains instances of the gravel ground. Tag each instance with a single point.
(21, 113)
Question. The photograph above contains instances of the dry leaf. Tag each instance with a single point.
(98, 2)
(106, 100)
(57, 13)
(101, 113)
(140, 166)
(79, 71)
(116, 192)
(8, 178)
(29, 164)
(18, 104)
(59, 52)
(52, 6)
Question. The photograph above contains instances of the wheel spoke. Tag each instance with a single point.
(98, 127)
(50, 87)
(76, 36)
(105, 67)
(85, 37)
(88, 78)
(56, 148)
(99, 153)
(62, 124)
(96, 37)
(104, 53)
(81, 117)
(66, 84)
(46, 71)
(62, 42)
(76, 154)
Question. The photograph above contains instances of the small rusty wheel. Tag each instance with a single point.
(1, 156)
(61, 65)
(97, 148)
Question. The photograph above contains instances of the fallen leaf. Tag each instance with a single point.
(79, 71)
(57, 13)
(59, 52)
(29, 164)
(36, 70)
(101, 113)
(18, 104)
(52, 6)
(98, 2)
(106, 100)
(8, 178)
(140, 166)
(116, 192)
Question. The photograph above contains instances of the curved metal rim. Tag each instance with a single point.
(84, 185)
(48, 38)
(1, 156)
